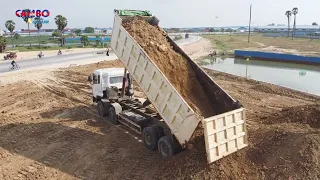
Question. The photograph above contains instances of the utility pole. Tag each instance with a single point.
(294, 27)
(249, 24)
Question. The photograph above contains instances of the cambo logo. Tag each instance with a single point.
(38, 22)
(32, 13)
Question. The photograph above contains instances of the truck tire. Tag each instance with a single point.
(101, 109)
(112, 115)
(165, 147)
(150, 138)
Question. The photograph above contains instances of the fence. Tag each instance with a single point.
(277, 56)
(78, 39)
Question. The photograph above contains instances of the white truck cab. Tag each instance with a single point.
(101, 79)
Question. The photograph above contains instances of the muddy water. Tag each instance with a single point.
(304, 78)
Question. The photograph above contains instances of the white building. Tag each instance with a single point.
(299, 29)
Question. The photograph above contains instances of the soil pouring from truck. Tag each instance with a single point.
(170, 126)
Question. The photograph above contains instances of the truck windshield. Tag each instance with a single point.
(116, 79)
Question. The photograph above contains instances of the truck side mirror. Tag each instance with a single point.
(90, 78)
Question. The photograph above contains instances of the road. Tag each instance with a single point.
(72, 59)
(57, 61)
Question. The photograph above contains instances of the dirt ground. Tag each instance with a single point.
(267, 44)
(49, 130)
(197, 50)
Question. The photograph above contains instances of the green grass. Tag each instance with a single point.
(177, 37)
(33, 39)
(221, 45)
(231, 42)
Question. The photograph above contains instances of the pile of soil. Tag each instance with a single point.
(177, 70)
(286, 151)
(306, 114)
(273, 89)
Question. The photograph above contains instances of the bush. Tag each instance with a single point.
(178, 37)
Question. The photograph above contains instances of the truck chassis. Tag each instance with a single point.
(142, 120)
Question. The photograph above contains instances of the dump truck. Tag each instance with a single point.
(169, 123)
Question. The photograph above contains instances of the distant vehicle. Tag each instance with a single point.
(40, 55)
(10, 55)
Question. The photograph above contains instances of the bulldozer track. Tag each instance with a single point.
(55, 157)
(45, 138)
(142, 166)
(107, 162)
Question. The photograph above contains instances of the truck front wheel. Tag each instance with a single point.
(165, 147)
(150, 138)
(112, 115)
(101, 109)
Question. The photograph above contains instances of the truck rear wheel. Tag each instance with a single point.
(150, 138)
(101, 109)
(112, 115)
(166, 147)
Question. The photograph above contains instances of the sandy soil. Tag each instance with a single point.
(33, 54)
(153, 40)
(198, 49)
(49, 130)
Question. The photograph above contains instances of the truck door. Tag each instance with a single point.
(97, 85)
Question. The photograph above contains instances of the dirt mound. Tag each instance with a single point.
(307, 114)
(225, 76)
(270, 88)
(274, 152)
(264, 88)
(283, 152)
(173, 65)
(192, 164)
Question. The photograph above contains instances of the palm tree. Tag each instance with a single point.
(3, 44)
(16, 36)
(84, 39)
(288, 14)
(98, 40)
(10, 25)
(38, 24)
(26, 20)
(61, 22)
(294, 12)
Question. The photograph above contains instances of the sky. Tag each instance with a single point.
(171, 13)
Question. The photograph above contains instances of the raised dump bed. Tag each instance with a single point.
(224, 128)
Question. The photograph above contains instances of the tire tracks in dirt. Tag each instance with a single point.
(54, 158)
